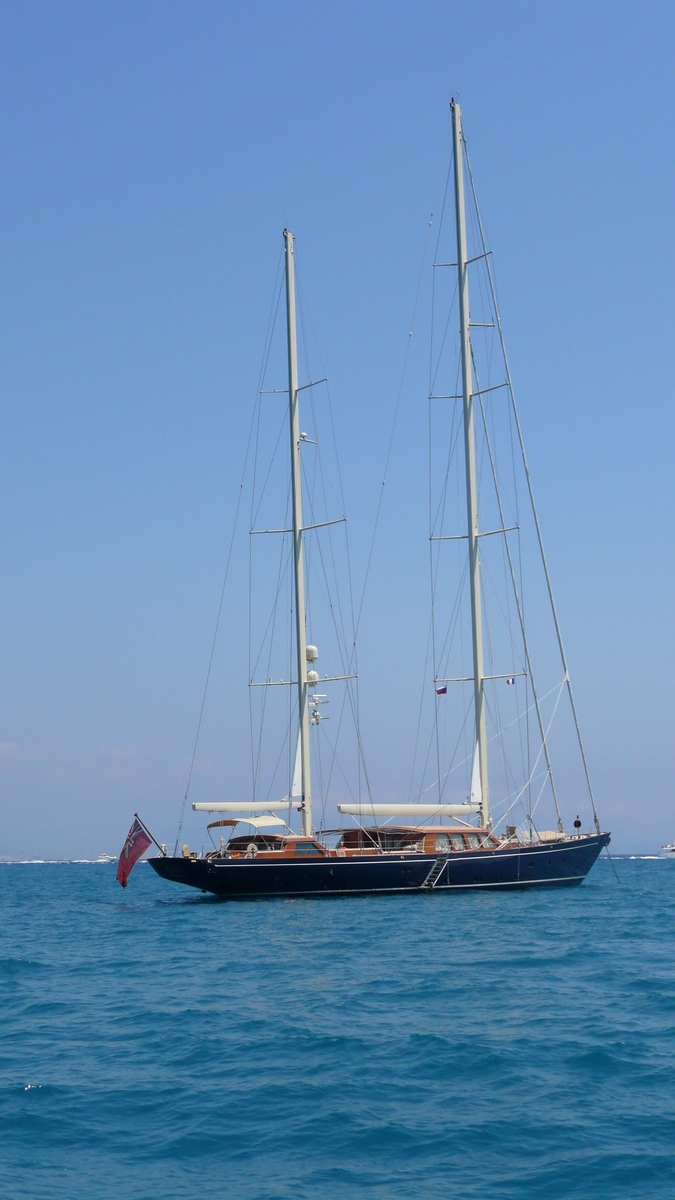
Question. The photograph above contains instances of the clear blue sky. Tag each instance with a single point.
(152, 154)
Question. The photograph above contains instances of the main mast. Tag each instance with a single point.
(296, 486)
(470, 460)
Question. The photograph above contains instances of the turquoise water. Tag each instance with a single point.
(155, 1043)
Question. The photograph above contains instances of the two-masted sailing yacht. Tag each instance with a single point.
(448, 843)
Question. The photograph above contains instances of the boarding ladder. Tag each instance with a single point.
(434, 875)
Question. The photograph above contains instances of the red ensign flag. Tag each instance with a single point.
(136, 844)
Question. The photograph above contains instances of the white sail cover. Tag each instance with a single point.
(296, 786)
(407, 810)
(240, 806)
(476, 793)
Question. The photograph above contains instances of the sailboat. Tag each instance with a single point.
(440, 846)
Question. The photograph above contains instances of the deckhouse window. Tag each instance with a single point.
(442, 841)
(457, 841)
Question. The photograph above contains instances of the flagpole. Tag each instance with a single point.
(152, 839)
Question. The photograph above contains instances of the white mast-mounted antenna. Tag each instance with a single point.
(296, 485)
(470, 460)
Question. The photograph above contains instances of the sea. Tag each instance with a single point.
(160, 1044)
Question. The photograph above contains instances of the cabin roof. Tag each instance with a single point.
(273, 837)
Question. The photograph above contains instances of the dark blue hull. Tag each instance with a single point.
(563, 864)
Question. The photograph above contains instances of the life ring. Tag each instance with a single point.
(251, 850)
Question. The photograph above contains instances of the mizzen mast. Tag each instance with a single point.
(470, 461)
(296, 488)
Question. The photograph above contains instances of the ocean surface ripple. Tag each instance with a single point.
(159, 1044)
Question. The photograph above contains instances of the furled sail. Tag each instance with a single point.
(241, 806)
(296, 786)
(476, 794)
(372, 811)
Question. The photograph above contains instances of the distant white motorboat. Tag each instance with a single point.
(668, 851)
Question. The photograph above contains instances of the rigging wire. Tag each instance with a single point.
(520, 616)
(465, 761)
(346, 660)
(488, 414)
(284, 553)
(554, 611)
(403, 373)
(419, 715)
(268, 341)
(208, 672)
